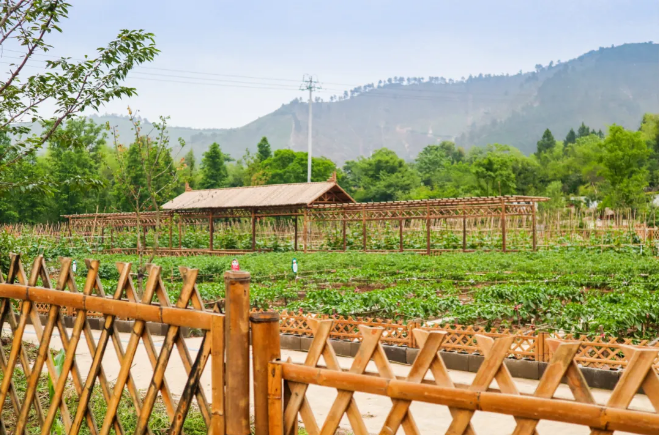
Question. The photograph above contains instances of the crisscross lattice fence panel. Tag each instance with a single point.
(597, 352)
(289, 384)
(71, 393)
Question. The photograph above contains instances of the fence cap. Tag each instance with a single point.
(264, 317)
(237, 275)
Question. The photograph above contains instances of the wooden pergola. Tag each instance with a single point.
(314, 203)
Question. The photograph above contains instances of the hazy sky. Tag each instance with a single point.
(344, 43)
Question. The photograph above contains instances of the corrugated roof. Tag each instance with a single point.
(273, 195)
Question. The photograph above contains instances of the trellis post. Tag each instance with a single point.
(533, 224)
(265, 349)
(253, 230)
(237, 351)
(428, 230)
(295, 233)
(364, 227)
(503, 224)
(171, 223)
(400, 235)
(464, 229)
(343, 231)
(179, 234)
(111, 238)
(210, 231)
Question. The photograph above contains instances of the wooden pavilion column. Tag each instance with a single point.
(295, 236)
(503, 224)
(304, 230)
(253, 230)
(364, 227)
(464, 229)
(210, 231)
(535, 242)
(401, 223)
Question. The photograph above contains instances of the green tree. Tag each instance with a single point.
(263, 149)
(570, 138)
(213, 168)
(584, 131)
(66, 87)
(624, 168)
(76, 157)
(288, 166)
(546, 143)
(494, 171)
(381, 177)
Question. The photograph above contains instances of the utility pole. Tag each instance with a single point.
(309, 83)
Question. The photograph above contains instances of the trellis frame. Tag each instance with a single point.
(428, 211)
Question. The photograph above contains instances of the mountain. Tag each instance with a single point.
(602, 87)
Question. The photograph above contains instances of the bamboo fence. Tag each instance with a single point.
(288, 385)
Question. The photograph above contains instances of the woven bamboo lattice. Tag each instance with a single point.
(598, 352)
(58, 299)
(288, 384)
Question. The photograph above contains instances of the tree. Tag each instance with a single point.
(381, 177)
(146, 177)
(263, 149)
(76, 157)
(570, 138)
(624, 168)
(288, 166)
(213, 169)
(584, 130)
(66, 87)
(546, 143)
(494, 171)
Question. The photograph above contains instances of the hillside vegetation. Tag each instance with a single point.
(602, 87)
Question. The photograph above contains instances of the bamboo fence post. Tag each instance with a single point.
(179, 233)
(275, 403)
(218, 420)
(401, 223)
(237, 351)
(265, 348)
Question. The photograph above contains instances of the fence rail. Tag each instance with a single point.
(21, 288)
(288, 386)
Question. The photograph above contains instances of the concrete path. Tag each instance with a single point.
(430, 418)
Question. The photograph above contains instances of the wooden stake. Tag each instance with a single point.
(295, 233)
(218, 420)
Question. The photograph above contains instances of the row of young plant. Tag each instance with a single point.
(383, 237)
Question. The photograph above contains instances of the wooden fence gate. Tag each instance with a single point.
(288, 384)
(19, 289)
